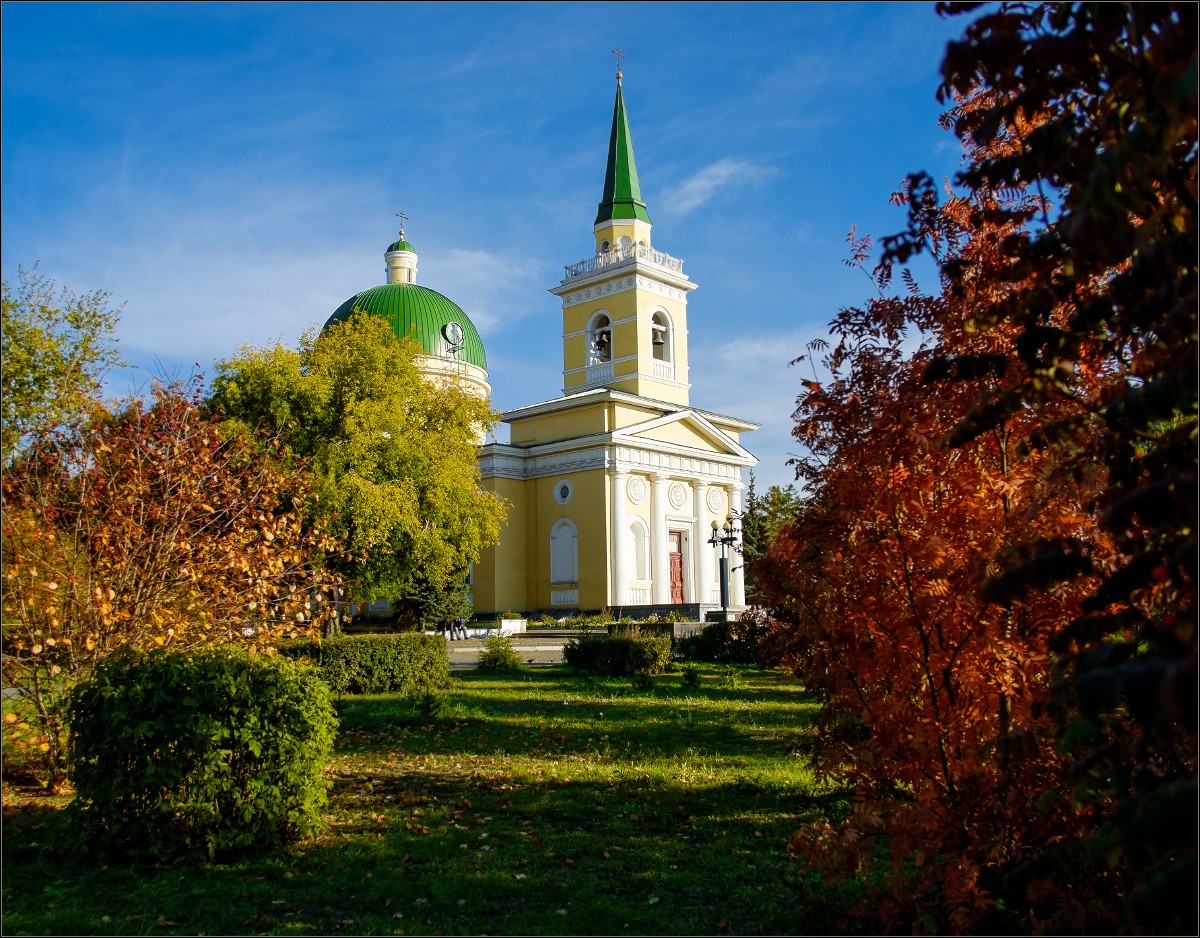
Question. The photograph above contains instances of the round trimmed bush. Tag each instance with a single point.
(176, 755)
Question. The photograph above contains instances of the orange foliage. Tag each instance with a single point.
(150, 527)
(895, 580)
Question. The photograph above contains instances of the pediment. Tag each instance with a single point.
(684, 428)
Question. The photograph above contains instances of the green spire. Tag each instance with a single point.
(622, 195)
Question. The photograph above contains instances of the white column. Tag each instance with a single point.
(662, 563)
(618, 538)
(737, 573)
(704, 550)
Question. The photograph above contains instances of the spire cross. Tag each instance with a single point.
(620, 55)
(403, 218)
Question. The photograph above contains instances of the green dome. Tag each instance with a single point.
(401, 245)
(419, 312)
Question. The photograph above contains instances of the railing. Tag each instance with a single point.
(620, 256)
(564, 597)
(599, 373)
(639, 597)
(664, 370)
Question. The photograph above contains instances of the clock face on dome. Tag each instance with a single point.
(453, 333)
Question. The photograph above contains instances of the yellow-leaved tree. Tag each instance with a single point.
(392, 457)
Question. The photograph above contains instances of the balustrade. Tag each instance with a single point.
(564, 597)
(599, 373)
(620, 256)
(665, 370)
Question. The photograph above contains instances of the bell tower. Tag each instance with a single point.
(625, 308)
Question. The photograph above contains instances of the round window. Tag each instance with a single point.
(563, 490)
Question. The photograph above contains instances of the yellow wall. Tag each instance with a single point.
(588, 510)
(498, 582)
(615, 230)
(560, 425)
(515, 575)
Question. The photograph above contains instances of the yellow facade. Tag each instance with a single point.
(613, 487)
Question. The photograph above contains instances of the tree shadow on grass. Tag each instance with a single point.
(454, 853)
(605, 718)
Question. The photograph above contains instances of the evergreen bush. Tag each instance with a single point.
(617, 656)
(407, 663)
(179, 755)
(499, 655)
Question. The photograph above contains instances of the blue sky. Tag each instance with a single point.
(230, 172)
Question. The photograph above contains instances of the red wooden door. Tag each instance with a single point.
(676, 559)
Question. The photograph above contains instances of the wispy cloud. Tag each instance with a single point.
(750, 377)
(725, 173)
(491, 288)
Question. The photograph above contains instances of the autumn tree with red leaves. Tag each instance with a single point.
(993, 579)
(151, 526)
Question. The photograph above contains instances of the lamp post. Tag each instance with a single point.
(722, 539)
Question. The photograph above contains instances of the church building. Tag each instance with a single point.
(616, 489)
(613, 488)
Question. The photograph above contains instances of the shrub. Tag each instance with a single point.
(599, 654)
(642, 680)
(176, 755)
(585, 622)
(730, 679)
(498, 655)
(690, 679)
(728, 643)
(406, 663)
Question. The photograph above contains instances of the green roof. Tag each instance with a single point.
(622, 196)
(400, 245)
(418, 312)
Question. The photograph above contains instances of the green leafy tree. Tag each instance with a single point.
(764, 517)
(393, 456)
(57, 347)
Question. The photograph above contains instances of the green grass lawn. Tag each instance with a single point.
(536, 803)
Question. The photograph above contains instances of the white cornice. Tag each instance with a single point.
(625, 276)
(734, 453)
(575, 297)
(505, 461)
(592, 395)
(638, 225)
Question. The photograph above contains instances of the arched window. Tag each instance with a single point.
(626, 245)
(641, 554)
(564, 553)
(599, 339)
(660, 336)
